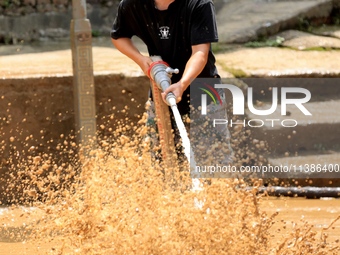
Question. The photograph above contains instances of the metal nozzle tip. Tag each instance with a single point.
(171, 101)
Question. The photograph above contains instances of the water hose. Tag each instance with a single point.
(160, 80)
(160, 74)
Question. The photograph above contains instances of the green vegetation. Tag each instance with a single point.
(304, 25)
(5, 3)
(318, 49)
(215, 47)
(238, 73)
(277, 42)
(220, 47)
(95, 33)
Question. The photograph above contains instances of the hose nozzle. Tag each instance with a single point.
(160, 72)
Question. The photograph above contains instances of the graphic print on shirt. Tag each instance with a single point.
(164, 32)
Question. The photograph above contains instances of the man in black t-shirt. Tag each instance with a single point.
(180, 32)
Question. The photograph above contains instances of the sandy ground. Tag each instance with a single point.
(277, 61)
(105, 60)
(25, 60)
(319, 213)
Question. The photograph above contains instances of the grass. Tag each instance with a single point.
(95, 33)
(221, 47)
(277, 42)
(318, 49)
(238, 73)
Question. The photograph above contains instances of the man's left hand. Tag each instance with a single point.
(176, 89)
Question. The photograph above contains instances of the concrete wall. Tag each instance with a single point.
(22, 7)
(42, 19)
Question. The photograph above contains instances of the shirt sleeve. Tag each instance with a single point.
(121, 26)
(203, 26)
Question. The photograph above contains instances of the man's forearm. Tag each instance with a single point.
(193, 68)
(195, 64)
(125, 46)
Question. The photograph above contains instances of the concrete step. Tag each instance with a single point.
(332, 31)
(301, 40)
(264, 17)
(318, 132)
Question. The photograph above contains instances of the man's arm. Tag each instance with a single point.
(126, 46)
(193, 68)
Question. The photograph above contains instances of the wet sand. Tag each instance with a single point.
(320, 213)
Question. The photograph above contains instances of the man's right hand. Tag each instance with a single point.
(144, 62)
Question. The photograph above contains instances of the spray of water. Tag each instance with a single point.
(184, 136)
(117, 201)
(188, 152)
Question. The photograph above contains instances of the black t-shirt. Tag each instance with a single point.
(170, 33)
